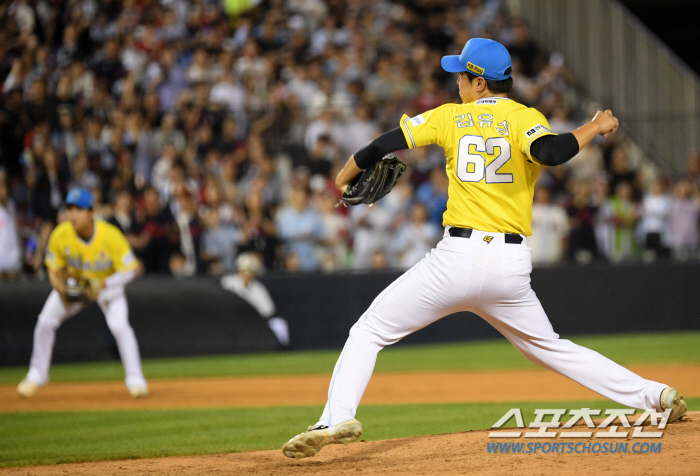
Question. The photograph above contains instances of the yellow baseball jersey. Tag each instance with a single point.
(491, 172)
(106, 253)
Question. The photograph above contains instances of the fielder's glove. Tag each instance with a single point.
(82, 290)
(375, 182)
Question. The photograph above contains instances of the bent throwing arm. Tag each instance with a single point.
(558, 149)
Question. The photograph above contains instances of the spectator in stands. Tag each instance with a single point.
(416, 237)
(218, 244)
(433, 195)
(582, 211)
(683, 222)
(259, 229)
(291, 262)
(12, 132)
(161, 176)
(82, 82)
(622, 213)
(301, 228)
(550, 229)
(229, 94)
(656, 211)
(221, 232)
(168, 134)
(525, 50)
(560, 122)
(227, 142)
(189, 234)
(373, 231)
(168, 76)
(107, 64)
(40, 106)
(326, 126)
(64, 138)
(158, 234)
(81, 176)
(336, 232)
(358, 130)
(123, 214)
(620, 171)
(379, 259)
(11, 255)
(50, 186)
(322, 157)
(587, 165)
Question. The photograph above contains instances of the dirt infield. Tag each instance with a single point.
(417, 387)
(460, 453)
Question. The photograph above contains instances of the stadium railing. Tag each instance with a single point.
(623, 66)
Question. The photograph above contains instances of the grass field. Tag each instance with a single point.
(666, 348)
(52, 437)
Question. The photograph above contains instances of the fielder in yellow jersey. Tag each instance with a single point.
(494, 148)
(107, 252)
(83, 249)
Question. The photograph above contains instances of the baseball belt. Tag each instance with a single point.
(510, 238)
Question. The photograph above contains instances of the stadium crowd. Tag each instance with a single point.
(207, 128)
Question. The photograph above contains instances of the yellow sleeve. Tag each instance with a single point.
(122, 257)
(531, 124)
(424, 129)
(54, 258)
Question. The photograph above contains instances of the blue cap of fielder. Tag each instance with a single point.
(79, 197)
(481, 57)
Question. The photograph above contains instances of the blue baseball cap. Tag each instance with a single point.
(80, 198)
(481, 57)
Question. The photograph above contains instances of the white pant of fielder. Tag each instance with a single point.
(491, 280)
(113, 303)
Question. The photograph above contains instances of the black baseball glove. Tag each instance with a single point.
(375, 182)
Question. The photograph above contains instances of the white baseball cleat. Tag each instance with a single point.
(27, 388)
(672, 398)
(139, 392)
(316, 437)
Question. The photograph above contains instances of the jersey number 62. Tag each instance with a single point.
(472, 167)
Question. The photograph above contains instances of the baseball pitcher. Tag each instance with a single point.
(87, 260)
(494, 148)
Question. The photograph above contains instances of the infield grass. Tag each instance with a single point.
(626, 349)
(63, 437)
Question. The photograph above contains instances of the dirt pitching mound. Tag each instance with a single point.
(459, 453)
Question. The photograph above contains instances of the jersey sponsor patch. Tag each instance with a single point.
(417, 121)
(487, 101)
(536, 130)
(475, 69)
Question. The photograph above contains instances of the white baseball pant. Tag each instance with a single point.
(491, 280)
(113, 303)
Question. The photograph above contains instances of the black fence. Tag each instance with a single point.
(171, 317)
(578, 300)
(175, 317)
